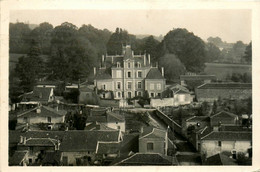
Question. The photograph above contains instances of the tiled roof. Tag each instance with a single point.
(108, 147)
(86, 140)
(44, 111)
(97, 119)
(49, 82)
(154, 73)
(197, 118)
(197, 77)
(17, 157)
(226, 86)
(150, 132)
(148, 159)
(40, 94)
(41, 142)
(220, 159)
(103, 74)
(113, 117)
(98, 111)
(228, 136)
(224, 114)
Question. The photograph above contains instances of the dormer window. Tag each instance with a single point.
(129, 65)
(139, 64)
(118, 64)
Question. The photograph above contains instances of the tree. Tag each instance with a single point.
(248, 53)
(215, 41)
(173, 66)
(187, 47)
(29, 69)
(150, 46)
(213, 53)
(118, 38)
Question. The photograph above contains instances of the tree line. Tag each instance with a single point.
(72, 52)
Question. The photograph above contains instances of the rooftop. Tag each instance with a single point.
(197, 77)
(39, 94)
(149, 132)
(17, 157)
(154, 73)
(107, 147)
(228, 136)
(220, 159)
(43, 111)
(225, 86)
(224, 114)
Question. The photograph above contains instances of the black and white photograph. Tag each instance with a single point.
(130, 87)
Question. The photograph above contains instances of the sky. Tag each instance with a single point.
(230, 25)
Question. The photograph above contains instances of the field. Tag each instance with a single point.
(221, 70)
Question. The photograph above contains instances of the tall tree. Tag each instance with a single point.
(248, 53)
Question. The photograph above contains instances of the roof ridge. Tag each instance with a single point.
(27, 111)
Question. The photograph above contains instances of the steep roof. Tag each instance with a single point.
(224, 114)
(41, 142)
(17, 157)
(148, 159)
(228, 136)
(220, 159)
(154, 73)
(197, 77)
(104, 73)
(86, 140)
(44, 111)
(113, 117)
(225, 86)
(39, 94)
(107, 147)
(151, 132)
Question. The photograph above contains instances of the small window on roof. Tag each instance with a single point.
(139, 64)
(117, 64)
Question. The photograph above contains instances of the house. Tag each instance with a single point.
(213, 91)
(39, 95)
(87, 95)
(154, 140)
(139, 159)
(107, 151)
(193, 81)
(220, 159)
(42, 114)
(223, 118)
(128, 75)
(194, 123)
(78, 145)
(226, 141)
(108, 118)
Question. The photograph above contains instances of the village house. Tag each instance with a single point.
(154, 140)
(223, 118)
(128, 75)
(213, 91)
(106, 117)
(232, 142)
(39, 95)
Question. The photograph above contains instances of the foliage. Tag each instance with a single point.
(248, 53)
(242, 159)
(204, 109)
(173, 66)
(72, 95)
(189, 48)
(243, 78)
(213, 53)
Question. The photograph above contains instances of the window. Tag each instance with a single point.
(25, 119)
(139, 84)
(118, 85)
(118, 64)
(118, 94)
(139, 93)
(138, 64)
(129, 65)
(159, 94)
(104, 86)
(129, 74)
(119, 74)
(49, 119)
(151, 86)
(234, 154)
(152, 94)
(149, 146)
(104, 95)
(219, 143)
(129, 95)
(129, 85)
(159, 86)
(139, 74)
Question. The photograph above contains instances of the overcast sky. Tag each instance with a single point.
(230, 25)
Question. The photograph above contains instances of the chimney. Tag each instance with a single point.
(141, 129)
(24, 140)
(144, 60)
(21, 139)
(95, 71)
(132, 53)
(149, 59)
(103, 58)
(163, 71)
(112, 59)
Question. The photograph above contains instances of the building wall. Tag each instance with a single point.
(213, 94)
(115, 125)
(182, 99)
(148, 83)
(107, 82)
(73, 155)
(162, 102)
(40, 119)
(211, 147)
(158, 145)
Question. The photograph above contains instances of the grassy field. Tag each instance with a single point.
(221, 70)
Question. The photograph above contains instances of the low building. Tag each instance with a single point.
(154, 140)
(42, 114)
(39, 95)
(139, 159)
(226, 141)
(224, 118)
(213, 91)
